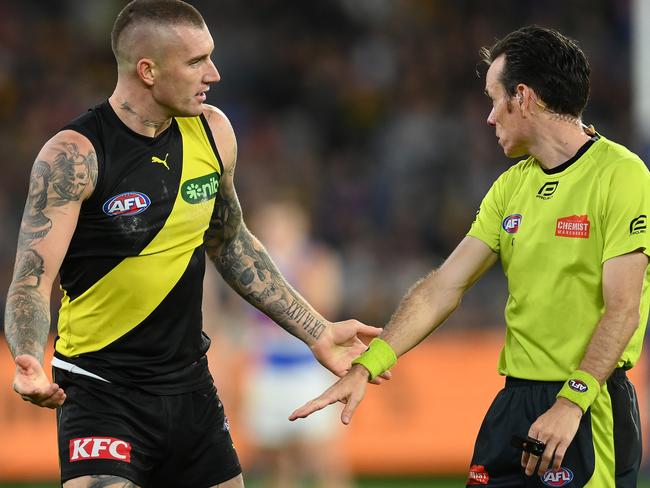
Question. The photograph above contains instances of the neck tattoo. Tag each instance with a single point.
(146, 122)
(558, 116)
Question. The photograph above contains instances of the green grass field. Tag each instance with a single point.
(363, 483)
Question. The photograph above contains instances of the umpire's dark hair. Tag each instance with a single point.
(550, 63)
(156, 12)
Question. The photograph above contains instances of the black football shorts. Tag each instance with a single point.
(605, 452)
(174, 440)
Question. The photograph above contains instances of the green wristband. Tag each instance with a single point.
(378, 358)
(581, 388)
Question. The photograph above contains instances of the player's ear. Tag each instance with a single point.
(146, 70)
(521, 93)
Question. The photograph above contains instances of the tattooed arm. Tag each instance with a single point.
(246, 266)
(63, 175)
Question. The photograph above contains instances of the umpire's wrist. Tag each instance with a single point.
(359, 369)
(581, 389)
(569, 404)
(378, 358)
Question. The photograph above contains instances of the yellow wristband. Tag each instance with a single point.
(581, 388)
(378, 358)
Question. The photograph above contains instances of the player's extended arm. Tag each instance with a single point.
(622, 286)
(63, 175)
(246, 266)
(427, 304)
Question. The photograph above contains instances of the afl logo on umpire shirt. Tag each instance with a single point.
(511, 223)
(130, 203)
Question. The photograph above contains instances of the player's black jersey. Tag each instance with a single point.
(133, 274)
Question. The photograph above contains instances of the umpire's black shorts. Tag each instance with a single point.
(174, 440)
(605, 453)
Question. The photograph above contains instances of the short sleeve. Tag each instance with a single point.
(626, 210)
(487, 224)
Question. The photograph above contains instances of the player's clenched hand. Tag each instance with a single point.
(31, 383)
(342, 342)
(349, 390)
(556, 428)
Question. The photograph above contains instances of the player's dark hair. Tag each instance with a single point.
(550, 63)
(158, 12)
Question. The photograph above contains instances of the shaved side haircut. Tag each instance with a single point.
(154, 12)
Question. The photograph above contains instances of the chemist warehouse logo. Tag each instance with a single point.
(85, 448)
(638, 225)
(576, 226)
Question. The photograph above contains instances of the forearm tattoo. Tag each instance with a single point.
(27, 316)
(52, 184)
(247, 268)
(303, 318)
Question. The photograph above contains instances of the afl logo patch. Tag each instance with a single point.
(557, 477)
(130, 203)
(511, 223)
(578, 385)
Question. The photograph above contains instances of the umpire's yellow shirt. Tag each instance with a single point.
(553, 230)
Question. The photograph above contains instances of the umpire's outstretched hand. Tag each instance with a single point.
(349, 390)
(31, 383)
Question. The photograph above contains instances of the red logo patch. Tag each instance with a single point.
(85, 448)
(478, 475)
(573, 226)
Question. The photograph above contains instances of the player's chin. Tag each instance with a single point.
(193, 109)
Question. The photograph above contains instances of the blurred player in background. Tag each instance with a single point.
(569, 224)
(283, 373)
(125, 202)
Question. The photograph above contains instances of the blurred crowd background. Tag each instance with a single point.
(368, 114)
